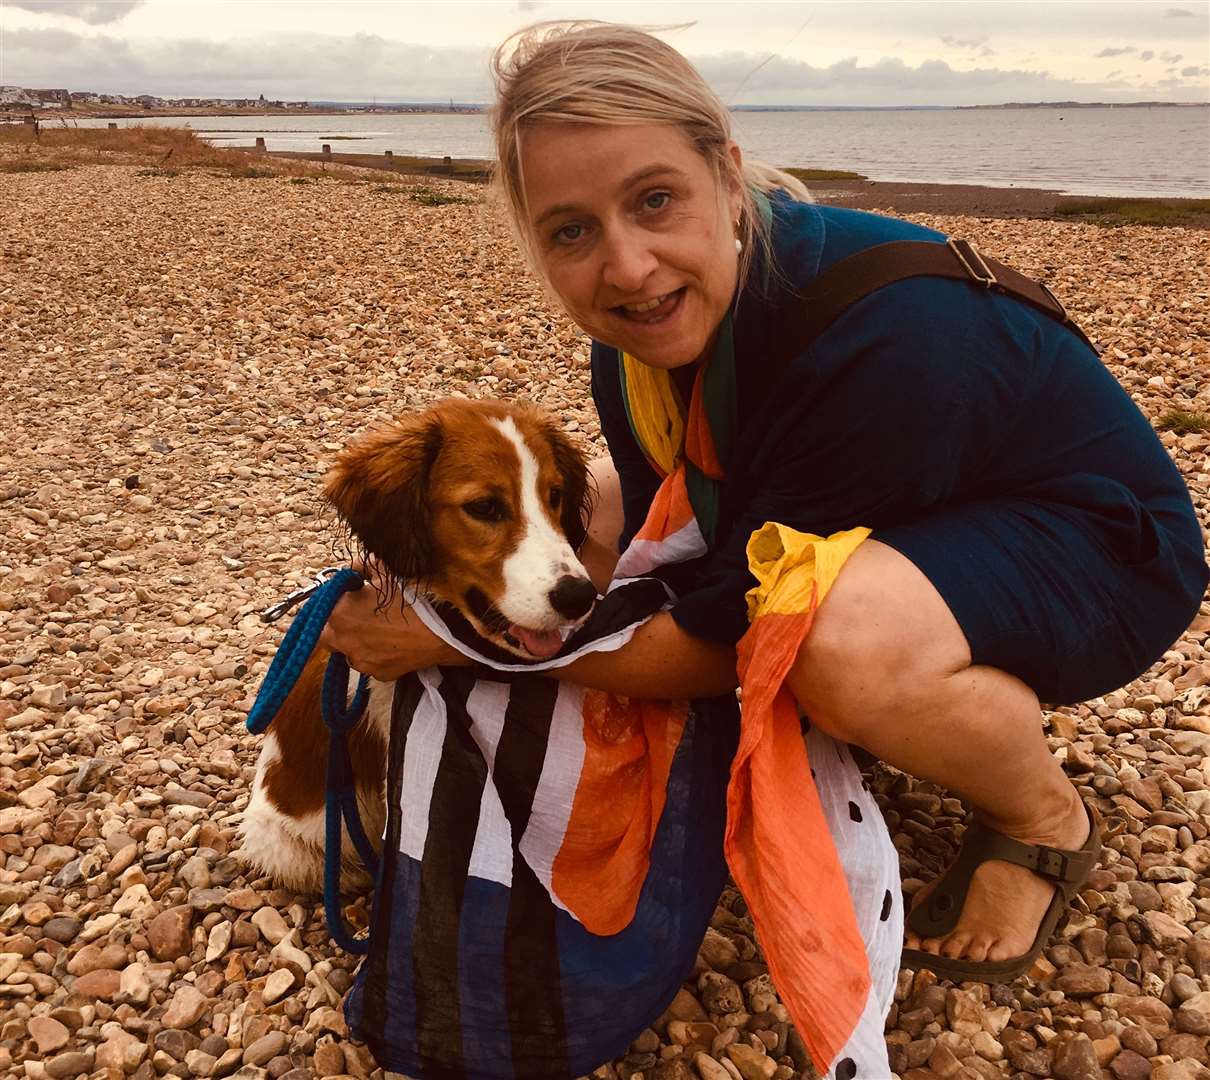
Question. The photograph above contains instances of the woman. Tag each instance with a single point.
(1031, 539)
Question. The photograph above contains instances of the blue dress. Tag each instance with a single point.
(981, 439)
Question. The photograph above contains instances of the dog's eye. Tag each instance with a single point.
(485, 509)
(555, 497)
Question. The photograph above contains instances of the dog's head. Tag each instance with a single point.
(482, 505)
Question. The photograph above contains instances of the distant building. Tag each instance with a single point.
(53, 98)
(15, 95)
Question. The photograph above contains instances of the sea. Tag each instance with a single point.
(1117, 151)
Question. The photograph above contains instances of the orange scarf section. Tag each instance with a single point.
(778, 844)
(629, 746)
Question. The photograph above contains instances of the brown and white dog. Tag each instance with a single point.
(477, 504)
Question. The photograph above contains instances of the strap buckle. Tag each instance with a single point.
(1054, 864)
(972, 262)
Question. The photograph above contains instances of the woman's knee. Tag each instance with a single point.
(882, 644)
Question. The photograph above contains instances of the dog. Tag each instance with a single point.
(479, 505)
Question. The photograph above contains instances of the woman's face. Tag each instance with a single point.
(634, 234)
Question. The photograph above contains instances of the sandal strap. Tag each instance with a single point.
(1059, 865)
(939, 913)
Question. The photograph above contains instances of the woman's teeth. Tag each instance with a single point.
(646, 305)
(655, 310)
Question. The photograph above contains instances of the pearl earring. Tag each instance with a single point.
(739, 245)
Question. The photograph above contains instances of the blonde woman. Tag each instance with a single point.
(1031, 539)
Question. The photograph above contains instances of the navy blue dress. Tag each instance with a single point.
(981, 439)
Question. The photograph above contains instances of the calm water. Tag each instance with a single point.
(1104, 151)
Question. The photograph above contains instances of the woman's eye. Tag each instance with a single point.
(485, 509)
(569, 234)
(555, 497)
(657, 200)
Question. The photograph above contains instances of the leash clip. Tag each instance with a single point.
(289, 602)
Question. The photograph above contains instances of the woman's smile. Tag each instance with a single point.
(654, 313)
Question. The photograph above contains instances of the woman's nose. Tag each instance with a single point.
(629, 260)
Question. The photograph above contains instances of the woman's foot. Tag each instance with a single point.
(1006, 903)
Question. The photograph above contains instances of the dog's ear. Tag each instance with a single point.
(379, 487)
(578, 492)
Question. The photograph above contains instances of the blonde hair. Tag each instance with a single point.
(589, 72)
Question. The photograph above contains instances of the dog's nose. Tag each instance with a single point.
(572, 596)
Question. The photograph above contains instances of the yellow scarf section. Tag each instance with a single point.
(795, 570)
(656, 412)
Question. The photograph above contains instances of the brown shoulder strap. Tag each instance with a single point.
(851, 279)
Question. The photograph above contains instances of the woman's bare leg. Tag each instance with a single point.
(599, 553)
(886, 666)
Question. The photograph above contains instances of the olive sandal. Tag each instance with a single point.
(939, 912)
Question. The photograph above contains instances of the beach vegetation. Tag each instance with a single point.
(1184, 422)
(472, 169)
(806, 175)
(241, 171)
(157, 148)
(426, 196)
(32, 166)
(1123, 211)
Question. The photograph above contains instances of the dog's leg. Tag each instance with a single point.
(282, 829)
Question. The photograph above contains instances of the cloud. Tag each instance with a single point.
(1177, 13)
(962, 43)
(888, 81)
(357, 67)
(95, 13)
(1146, 55)
(1113, 74)
(1171, 58)
(1191, 72)
(289, 66)
(1115, 52)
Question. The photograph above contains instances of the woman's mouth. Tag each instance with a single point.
(654, 310)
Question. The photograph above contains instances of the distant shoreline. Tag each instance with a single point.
(45, 116)
(858, 193)
(941, 196)
(87, 112)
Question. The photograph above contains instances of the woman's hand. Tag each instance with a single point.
(385, 643)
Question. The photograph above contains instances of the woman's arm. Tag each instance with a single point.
(660, 661)
(599, 552)
(385, 642)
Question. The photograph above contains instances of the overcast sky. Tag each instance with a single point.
(850, 52)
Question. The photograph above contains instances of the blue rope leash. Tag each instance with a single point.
(341, 716)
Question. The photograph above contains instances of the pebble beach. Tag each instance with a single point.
(182, 356)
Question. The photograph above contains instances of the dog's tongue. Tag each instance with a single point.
(542, 643)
